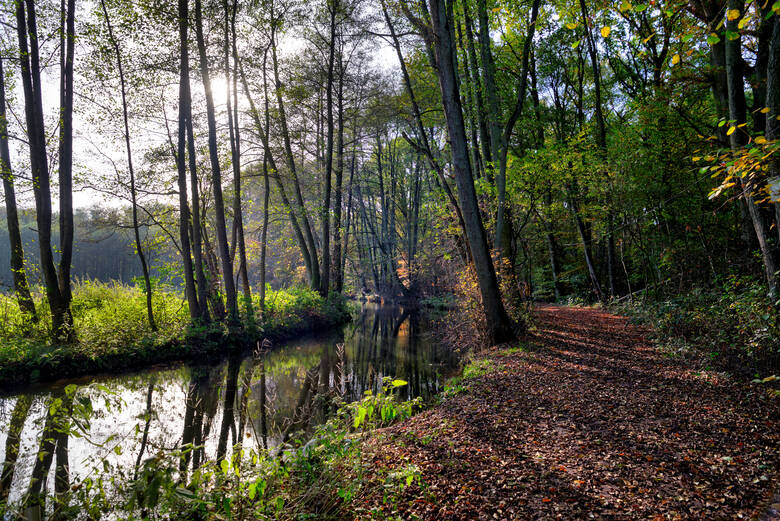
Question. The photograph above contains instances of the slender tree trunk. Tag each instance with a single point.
(338, 281)
(136, 233)
(216, 172)
(326, 187)
(181, 168)
(484, 136)
(299, 209)
(67, 38)
(235, 155)
(423, 135)
(586, 244)
(310, 262)
(29, 61)
(499, 325)
(503, 222)
(21, 286)
(12, 443)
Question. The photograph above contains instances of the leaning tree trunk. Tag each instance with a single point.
(498, 322)
(136, 233)
(21, 287)
(216, 173)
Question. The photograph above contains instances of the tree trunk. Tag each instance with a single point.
(181, 168)
(300, 209)
(499, 325)
(216, 172)
(773, 103)
(67, 37)
(29, 60)
(326, 188)
(235, 156)
(136, 233)
(21, 287)
(738, 138)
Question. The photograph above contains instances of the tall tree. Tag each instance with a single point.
(21, 286)
(139, 248)
(498, 322)
(57, 285)
(196, 300)
(216, 172)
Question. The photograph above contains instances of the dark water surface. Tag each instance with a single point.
(261, 400)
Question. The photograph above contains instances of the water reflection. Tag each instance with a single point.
(264, 399)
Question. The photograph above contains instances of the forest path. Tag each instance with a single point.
(592, 423)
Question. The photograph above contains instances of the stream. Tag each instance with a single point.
(121, 419)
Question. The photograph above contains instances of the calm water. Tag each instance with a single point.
(261, 400)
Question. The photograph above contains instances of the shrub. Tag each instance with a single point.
(733, 325)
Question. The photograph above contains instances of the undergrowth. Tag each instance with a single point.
(328, 477)
(731, 326)
(113, 333)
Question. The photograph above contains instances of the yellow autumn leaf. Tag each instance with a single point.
(675, 59)
(730, 130)
(732, 14)
(571, 25)
(765, 110)
(742, 23)
(625, 6)
(605, 31)
(760, 140)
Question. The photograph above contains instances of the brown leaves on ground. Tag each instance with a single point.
(593, 423)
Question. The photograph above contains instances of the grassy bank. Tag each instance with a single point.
(114, 334)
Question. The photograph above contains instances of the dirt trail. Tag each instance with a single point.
(592, 423)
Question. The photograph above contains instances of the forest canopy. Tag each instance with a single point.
(499, 151)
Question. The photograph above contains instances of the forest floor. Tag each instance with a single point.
(590, 422)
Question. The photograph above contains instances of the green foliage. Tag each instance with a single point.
(733, 325)
(112, 330)
(473, 370)
(323, 478)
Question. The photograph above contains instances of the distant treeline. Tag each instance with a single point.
(100, 252)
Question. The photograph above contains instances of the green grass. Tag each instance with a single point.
(113, 332)
(474, 369)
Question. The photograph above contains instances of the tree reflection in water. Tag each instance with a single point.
(261, 400)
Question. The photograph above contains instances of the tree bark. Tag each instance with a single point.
(216, 172)
(498, 323)
(21, 286)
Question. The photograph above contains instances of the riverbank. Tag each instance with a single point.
(590, 421)
(114, 334)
